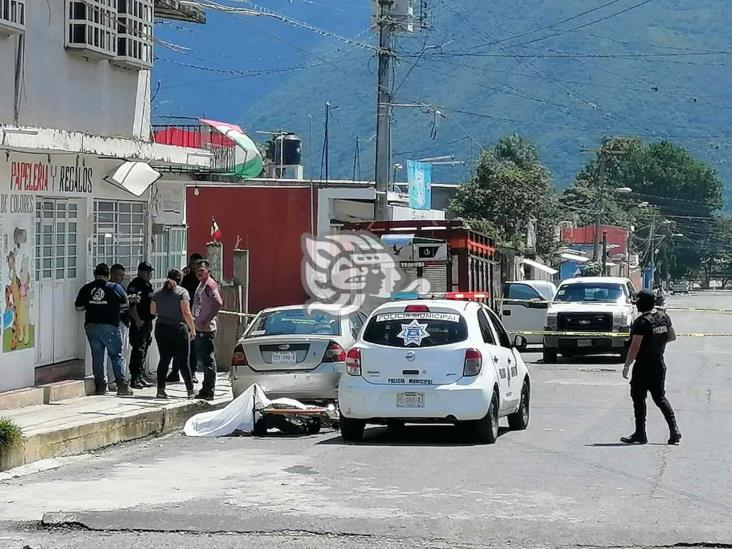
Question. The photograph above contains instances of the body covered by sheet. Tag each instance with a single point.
(240, 415)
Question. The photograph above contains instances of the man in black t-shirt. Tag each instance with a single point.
(190, 282)
(103, 302)
(140, 293)
(117, 274)
(650, 333)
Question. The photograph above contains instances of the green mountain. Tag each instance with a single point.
(563, 74)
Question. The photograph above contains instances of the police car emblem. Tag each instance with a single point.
(413, 333)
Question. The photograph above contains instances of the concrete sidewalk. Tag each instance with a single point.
(79, 425)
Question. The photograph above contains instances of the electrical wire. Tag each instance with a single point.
(585, 25)
(545, 27)
(259, 10)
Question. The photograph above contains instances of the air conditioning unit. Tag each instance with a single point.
(12, 17)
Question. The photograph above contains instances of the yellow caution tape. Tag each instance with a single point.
(234, 313)
(508, 301)
(612, 334)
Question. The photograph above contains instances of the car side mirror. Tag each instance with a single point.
(520, 343)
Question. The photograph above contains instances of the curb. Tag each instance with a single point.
(87, 437)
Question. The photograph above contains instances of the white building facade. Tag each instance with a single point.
(74, 107)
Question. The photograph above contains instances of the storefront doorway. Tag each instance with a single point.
(59, 277)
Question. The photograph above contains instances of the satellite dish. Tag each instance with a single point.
(134, 177)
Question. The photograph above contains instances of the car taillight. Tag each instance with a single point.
(334, 353)
(353, 362)
(473, 362)
(239, 358)
(416, 309)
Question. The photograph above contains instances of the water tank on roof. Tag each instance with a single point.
(288, 150)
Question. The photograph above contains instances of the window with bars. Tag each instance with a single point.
(12, 16)
(135, 21)
(119, 233)
(56, 240)
(168, 251)
(92, 27)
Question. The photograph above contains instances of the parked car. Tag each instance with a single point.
(680, 287)
(592, 305)
(524, 308)
(435, 361)
(293, 353)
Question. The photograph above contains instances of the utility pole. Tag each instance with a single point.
(601, 189)
(357, 160)
(604, 253)
(384, 111)
(627, 248)
(652, 244)
(326, 150)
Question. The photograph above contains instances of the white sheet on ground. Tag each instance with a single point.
(240, 415)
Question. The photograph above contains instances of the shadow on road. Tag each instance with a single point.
(412, 435)
(621, 444)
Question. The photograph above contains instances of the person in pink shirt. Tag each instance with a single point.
(206, 305)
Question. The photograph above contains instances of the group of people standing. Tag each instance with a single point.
(181, 315)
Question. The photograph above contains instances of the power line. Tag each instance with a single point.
(585, 25)
(531, 66)
(545, 27)
(259, 10)
(239, 72)
(638, 55)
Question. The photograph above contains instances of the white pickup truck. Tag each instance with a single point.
(524, 308)
(680, 287)
(593, 305)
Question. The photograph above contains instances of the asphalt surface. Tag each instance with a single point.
(564, 482)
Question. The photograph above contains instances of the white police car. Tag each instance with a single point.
(435, 361)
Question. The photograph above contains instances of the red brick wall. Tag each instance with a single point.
(270, 222)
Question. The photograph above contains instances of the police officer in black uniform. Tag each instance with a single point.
(650, 333)
(140, 292)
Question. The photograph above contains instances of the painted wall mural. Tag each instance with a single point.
(17, 253)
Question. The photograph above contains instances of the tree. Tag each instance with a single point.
(509, 190)
(676, 186)
(591, 269)
(715, 255)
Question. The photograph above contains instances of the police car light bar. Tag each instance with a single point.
(466, 296)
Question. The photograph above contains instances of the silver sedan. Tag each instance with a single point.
(294, 353)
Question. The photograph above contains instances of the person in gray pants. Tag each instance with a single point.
(206, 305)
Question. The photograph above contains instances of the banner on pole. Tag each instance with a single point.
(419, 176)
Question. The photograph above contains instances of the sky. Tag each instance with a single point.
(205, 70)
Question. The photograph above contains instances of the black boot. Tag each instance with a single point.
(100, 388)
(635, 438)
(123, 389)
(137, 383)
(675, 437)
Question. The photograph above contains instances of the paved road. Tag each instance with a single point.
(564, 482)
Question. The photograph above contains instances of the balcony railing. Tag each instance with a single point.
(198, 136)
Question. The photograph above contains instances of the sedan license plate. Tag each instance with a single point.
(584, 343)
(284, 357)
(410, 400)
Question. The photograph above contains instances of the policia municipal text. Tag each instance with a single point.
(650, 333)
